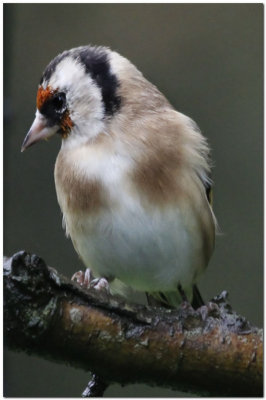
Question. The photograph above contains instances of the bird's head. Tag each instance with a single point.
(78, 93)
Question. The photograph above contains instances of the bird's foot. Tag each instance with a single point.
(100, 284)
(84, 279)
(87, 280)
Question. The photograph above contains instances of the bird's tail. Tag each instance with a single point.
(175, 298)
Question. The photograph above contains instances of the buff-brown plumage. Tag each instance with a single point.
(131, 177)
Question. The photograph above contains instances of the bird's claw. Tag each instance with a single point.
(84, 279)
(100, 284)
(87, 280)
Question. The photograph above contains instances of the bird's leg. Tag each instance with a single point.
(87, 280)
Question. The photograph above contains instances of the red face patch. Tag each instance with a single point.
(43, 95)
(66, 125)
(65, 122)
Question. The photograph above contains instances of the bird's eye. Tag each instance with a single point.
(59, 101)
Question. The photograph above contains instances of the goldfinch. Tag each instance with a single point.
(132, 177)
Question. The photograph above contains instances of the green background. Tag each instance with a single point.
(208, 61)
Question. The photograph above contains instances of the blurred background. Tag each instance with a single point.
(208, 61)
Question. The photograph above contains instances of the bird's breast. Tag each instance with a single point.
(118, 231)
(87, 179)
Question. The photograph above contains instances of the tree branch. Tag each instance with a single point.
(211, 351)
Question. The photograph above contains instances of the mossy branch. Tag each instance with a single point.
(211, 351)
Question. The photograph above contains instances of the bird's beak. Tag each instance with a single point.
(40, 130)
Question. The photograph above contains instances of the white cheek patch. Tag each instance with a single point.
(84, 97)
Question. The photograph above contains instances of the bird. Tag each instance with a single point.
(132, 177)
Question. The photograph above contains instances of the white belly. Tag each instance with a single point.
(148, 251)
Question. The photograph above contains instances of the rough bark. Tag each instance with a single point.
(211, 351)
